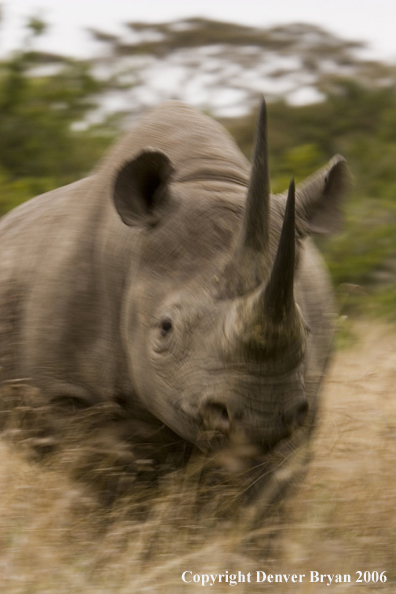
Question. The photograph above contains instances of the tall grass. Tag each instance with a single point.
(61, 533)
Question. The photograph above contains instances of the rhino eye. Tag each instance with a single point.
(166, 327)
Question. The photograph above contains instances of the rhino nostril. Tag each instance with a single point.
(216, 417)
(302, 413)
(295, 415)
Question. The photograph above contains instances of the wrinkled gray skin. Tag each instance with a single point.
(162, 305)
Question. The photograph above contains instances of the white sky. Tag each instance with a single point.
(373, 21)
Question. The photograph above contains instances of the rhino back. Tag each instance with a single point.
(49, 310)
(198, 147)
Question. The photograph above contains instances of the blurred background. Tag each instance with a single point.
(72, 76)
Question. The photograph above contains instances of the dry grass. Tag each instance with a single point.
(56, 536)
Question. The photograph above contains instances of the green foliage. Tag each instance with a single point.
(42, 101)
(36, 26)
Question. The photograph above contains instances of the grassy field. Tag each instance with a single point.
(56, 537)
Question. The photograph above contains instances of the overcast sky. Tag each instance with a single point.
(373, 21)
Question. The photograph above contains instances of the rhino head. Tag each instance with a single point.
(217, 346)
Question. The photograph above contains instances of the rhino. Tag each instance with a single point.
(171, 282)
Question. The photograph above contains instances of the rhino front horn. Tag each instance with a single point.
(279, 294)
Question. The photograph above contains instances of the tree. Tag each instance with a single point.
(45, 140)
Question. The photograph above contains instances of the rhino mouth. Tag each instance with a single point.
(219, 431)
(234, 452)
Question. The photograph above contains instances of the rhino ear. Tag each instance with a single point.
(319, 198)
(141, 188)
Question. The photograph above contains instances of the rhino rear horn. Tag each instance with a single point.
(279, 293)
(140, 187)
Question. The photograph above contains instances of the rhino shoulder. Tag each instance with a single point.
(56, 202)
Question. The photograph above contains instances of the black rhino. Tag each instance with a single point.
(171, 282)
